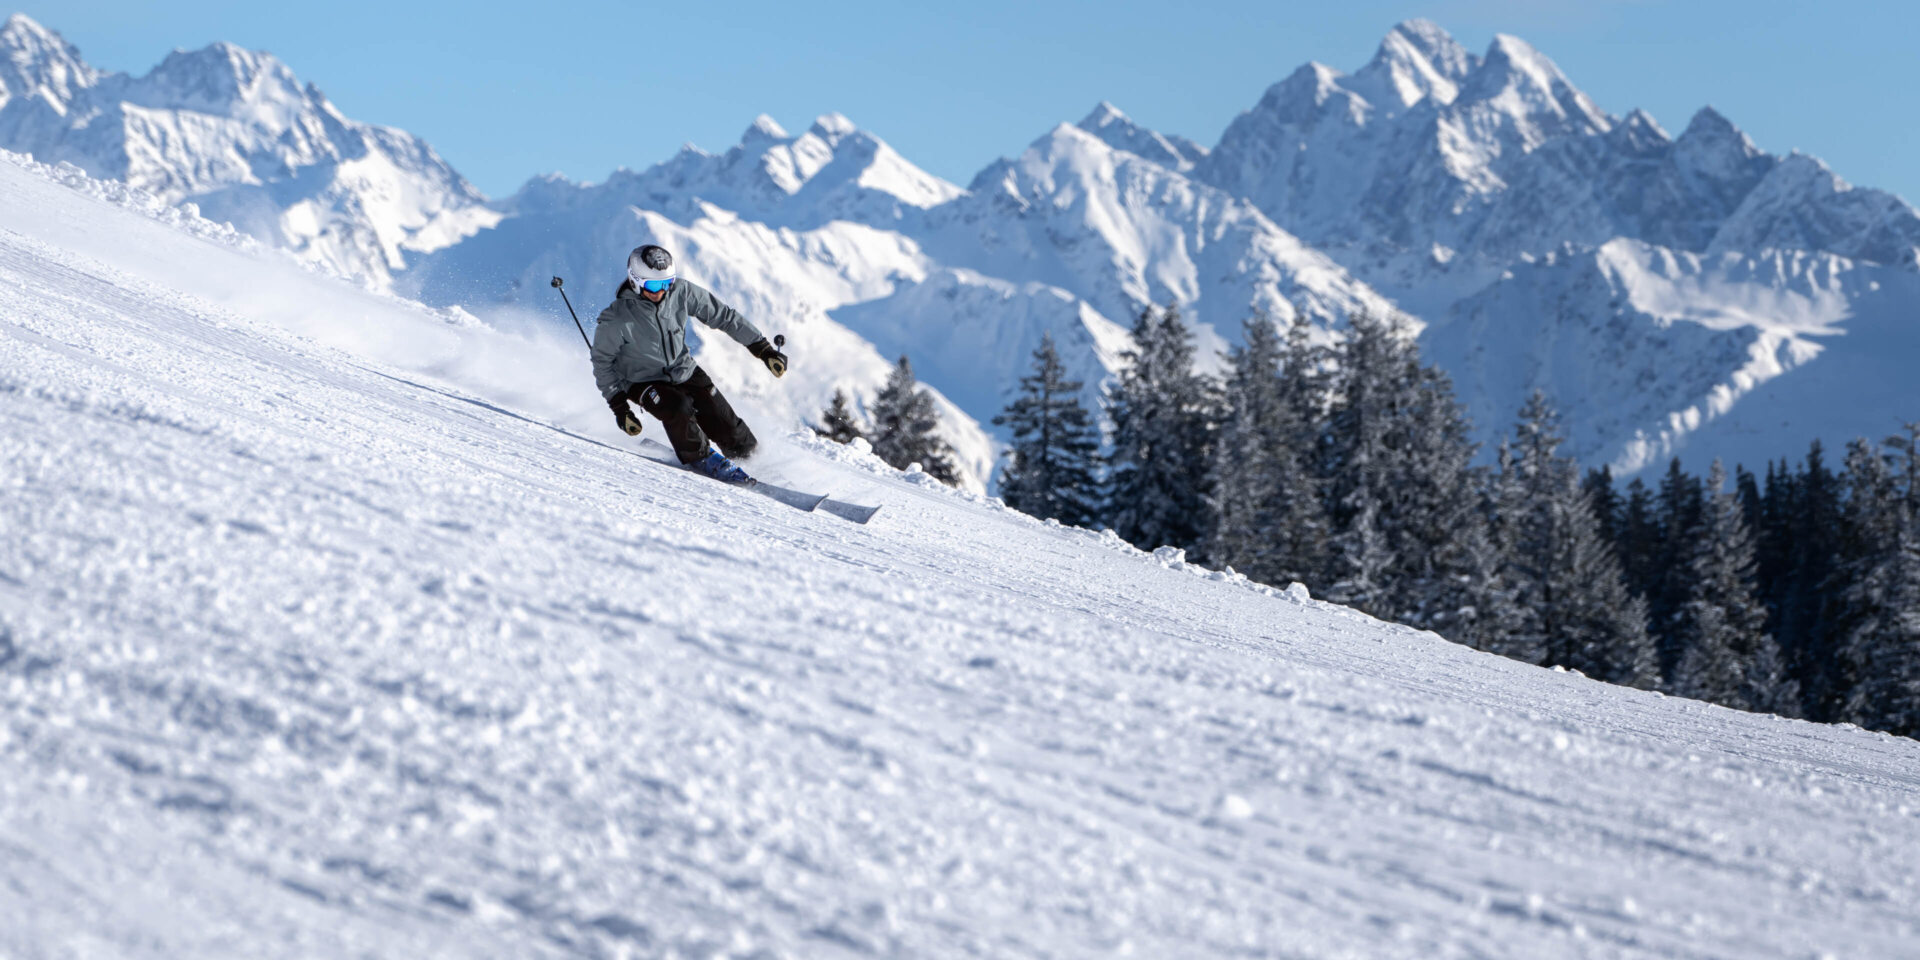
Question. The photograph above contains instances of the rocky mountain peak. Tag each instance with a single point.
(1524, 83)
(1713, 151)
(1434, 44)
(763, 129)
(1639, 134)
(1416, 61)
(218, 78)
(1302, 96)
(35, 60)
(22, 33)
(833, 127)
(1710, 125)
(1119, 131)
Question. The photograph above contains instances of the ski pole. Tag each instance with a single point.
(576, 317)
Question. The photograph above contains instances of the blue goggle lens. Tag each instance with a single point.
(656, 286)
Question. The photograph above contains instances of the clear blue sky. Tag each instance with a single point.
(507, 91)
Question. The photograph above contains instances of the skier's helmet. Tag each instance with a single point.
(650, 264)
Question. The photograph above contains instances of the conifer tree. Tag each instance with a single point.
(1305, 388)
(1162, 413)
(1768, 516)
(1746, 490)
(1814, 526)
(1638, 542)
(837, 422)
(1265, 517)
(1371, 372)
(1409, 538)
(1574, 604)
(1678, 511)
(904, 421)
(1605, 500)
(1877, 617)
(1050, 471)
(1725, 653)
(1446, 568)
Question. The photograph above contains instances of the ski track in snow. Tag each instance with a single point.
(327, 629)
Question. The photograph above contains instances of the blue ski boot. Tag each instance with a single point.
(720, 468)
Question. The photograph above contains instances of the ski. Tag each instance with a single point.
(810, 502)
(848, 511)
(662, 454)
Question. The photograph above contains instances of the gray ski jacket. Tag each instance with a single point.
(637, 341)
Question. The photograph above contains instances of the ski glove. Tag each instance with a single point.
(623, 415)
(767, 354)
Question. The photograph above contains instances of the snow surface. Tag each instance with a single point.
(331, 625)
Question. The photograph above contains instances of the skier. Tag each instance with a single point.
(640, 355)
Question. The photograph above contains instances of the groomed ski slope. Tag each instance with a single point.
(334, 627)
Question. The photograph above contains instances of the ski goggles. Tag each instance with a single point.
(657, 286)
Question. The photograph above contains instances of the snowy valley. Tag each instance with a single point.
(332, 625)
(1691, 295)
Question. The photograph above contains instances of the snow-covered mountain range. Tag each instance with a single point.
(1688, 295)
(235, 132)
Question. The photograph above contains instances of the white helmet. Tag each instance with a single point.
(649, 262)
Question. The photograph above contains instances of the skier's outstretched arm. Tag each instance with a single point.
(703, 306)
(708, 309)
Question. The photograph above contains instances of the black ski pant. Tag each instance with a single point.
(693, 412)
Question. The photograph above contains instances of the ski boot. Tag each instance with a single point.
(717, 466)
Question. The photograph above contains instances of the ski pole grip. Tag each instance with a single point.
(779, 339)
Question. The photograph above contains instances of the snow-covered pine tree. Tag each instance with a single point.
(1409, 528)
(1572, 599)
(1638, 544)
(1679, 505)
(1244, 485)
(1265, 518)
(1162, 412)
(1725, 653)
(1768, 517)
(1877, 621)
(1814, 525)
(904, 421)
(1306, 389)
(1512, 527)
(837, 422)
(1051, 466)
(1445, 567)
(1371, 380)
(1606, 502)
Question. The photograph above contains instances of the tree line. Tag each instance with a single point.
(1349, 467)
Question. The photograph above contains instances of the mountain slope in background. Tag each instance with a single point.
(1483, 196)
(332, 627)
(1122, 233)
(1662, 348)
(236, 133)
